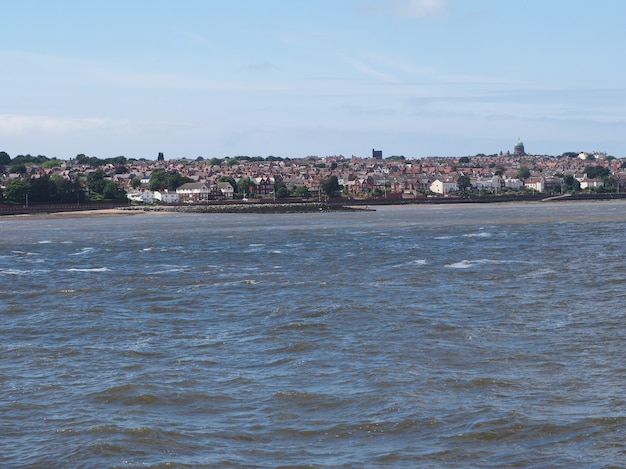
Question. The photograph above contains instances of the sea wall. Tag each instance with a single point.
(242, 208)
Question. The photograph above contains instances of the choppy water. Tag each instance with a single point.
(447, 336)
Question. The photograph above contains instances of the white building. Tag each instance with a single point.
(586, 183)
(194, 192)
(492, 183)
(443, 187)
(166, 197)
(141, 196)
(513, 183)
(536, 184)
(226, 189)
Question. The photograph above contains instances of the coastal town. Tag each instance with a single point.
(374, 177)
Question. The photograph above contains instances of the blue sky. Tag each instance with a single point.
(293, 78)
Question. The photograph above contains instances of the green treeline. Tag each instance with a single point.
(28, 183)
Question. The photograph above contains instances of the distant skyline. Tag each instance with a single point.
(291, 79)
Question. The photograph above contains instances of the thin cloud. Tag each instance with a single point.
(369, 71)
(418, 8)
(19, 124)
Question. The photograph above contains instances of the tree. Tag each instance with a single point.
(281, 191)
(570, 183)
(158, 180)
(171, 180)
(596, 172)
(524, 172)
(52, 163)
(135, 182)
(117, 160)
(18, 168)
(246, 186)
(4, 158)
(464, 182)
(42, 190)
(464, 159)
(176, 180)
(301, 191)
(16, 190)
(331, 186)
(96, 181)
(112, 191)
(67, 190)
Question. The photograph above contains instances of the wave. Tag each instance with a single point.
(414, 262)
(94, 269)
(537, 274)
(18, 272)
(466, 264)
(82, 252)
(164, 269)
(481, 234)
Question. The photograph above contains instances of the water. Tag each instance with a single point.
(428, 336)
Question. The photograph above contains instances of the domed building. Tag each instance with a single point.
(518, 149)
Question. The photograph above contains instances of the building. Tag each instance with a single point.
(377, 154)
(537, 184)
(142, 196)
(518, 149)
(225, 190)
(443, 187)
(194, 192)
(166, 197)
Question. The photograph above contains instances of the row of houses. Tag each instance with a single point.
(194, 192)
(496, 183)
(189, 192)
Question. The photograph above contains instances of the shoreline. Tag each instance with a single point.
(278, 208)
(51, 212)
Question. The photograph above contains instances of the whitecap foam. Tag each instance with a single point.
(82, 252)
(466, 264)
(537, 274)
(94, 269)
(171, 268)
(413, 263)
(22, 272)
(461, 265)
(481, 234)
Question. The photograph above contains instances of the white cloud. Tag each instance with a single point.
(418, 8)
(12, 124)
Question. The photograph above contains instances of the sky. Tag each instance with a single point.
(294, 78)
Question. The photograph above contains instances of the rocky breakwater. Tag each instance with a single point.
(244, 208)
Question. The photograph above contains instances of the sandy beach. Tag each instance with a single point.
(108, 212)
